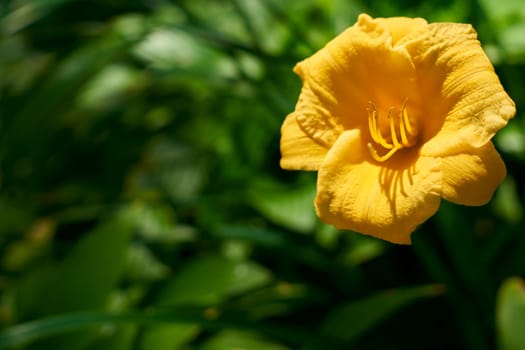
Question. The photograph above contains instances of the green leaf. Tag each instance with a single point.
(457, 230)
(290, 207)
(174, 51)
(510, 314)
(82, 281)
(228, 340)
(143, 265)
(511, 139)
(279, 300)
(363, 249)
(29, 12)
(507, 202)
(69, 76)
(119, 338)
(207, 280)
(349, 321)
(254, 235)
(92, 268)
(46, 107)
(108, 88)
(507, 22)
(176, 169)
(168, 336)
(26, 332)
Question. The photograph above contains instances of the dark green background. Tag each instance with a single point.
(142, 205)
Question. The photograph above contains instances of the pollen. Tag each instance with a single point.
(401, 134)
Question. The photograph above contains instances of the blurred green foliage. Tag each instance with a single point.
(142, 205)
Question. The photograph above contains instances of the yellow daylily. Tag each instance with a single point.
(395, 114)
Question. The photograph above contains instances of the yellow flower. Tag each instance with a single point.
(395, 114)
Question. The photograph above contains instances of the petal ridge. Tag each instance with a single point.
(470, 178)
(454, 71)
(298, 150)
(357, 194)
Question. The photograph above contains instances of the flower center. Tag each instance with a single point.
(401, 135)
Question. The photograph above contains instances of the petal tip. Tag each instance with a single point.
(364, 18)
(472, 178)
(298, 69)
(298, 150)
(508, 110)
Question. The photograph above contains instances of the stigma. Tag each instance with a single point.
(400, 135)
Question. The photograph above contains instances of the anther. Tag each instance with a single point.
(397, 142)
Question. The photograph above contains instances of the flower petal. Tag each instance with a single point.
(402, 26)
(358, 66)
(465, 102)
(298, 150)
(471, 178)
(386, 202)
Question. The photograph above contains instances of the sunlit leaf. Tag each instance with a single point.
(290, 207)
(512, 139)
(168, 336)
(208, 280)
(510, 314)
(142, 265)
(28, 12)
(507, 202)
(108, 87)
(228, 340)
(508, 22)
(116, 338)
(178, 52)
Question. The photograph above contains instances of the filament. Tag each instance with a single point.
(401, 132)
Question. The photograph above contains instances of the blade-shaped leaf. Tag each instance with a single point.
(351, 320)
(208, 280)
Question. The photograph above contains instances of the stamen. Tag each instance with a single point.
(393, 130)
(406, 122)
(397, 142)
(403, 129)
(382, 158)
(373, 128)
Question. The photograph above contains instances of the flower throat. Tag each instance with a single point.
(402, 134)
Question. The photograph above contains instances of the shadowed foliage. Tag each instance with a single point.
(142, 205)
